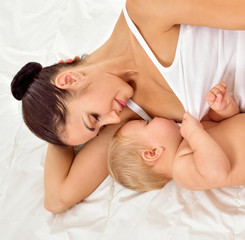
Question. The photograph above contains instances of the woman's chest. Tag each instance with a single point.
(155, 96)
(152, 91)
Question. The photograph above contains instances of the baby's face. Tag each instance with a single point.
(158, 132)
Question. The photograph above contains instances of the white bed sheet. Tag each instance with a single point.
(47, 31)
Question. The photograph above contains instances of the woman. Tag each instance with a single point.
(150, 58)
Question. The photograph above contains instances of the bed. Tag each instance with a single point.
(47, 31)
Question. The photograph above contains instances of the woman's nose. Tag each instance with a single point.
(111, 118)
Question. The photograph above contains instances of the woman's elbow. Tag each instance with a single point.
(55, 206)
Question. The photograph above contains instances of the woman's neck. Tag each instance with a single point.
(123, 56)
(117, 54)
(117, 60)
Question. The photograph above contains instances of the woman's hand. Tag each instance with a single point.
(69, 60)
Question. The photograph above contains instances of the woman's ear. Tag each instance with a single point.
(68, 80)
(151, 156)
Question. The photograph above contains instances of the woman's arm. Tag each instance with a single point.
(57, 166)
(69, 181)
(201, 163)
(162, 14)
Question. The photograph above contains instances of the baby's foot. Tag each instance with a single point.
(218, 97)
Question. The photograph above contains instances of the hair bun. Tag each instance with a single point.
(24, 78)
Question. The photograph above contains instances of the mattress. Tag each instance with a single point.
(47, 31)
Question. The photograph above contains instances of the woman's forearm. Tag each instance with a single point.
(69, 181)
(57, 166)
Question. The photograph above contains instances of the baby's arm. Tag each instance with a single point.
(200, 163)
(221, 104)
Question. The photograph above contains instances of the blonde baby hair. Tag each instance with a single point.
(128, 168)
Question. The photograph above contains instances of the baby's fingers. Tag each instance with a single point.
(189, 125)
(214, 98)
(210, 98)
(215, 95)
(219, 88)
(217, 91)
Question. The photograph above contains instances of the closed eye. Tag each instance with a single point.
(102, 127)
(95, 116)
(89, 127)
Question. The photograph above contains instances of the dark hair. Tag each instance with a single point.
(43, 105)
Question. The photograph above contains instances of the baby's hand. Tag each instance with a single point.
(218, 97)
(189, 125)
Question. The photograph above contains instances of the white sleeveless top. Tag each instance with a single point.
(204, 56)
(138, 110)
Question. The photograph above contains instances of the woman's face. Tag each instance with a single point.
(98, 104)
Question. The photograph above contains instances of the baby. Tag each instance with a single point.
(198, 155)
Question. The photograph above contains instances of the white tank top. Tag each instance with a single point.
(204, 56)
(138, 110)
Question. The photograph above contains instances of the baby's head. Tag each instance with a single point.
(141, 153)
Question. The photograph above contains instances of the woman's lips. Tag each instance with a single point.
(121, 104)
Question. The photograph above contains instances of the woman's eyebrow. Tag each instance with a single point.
(89, 128)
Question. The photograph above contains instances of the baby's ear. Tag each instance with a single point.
(151, 156)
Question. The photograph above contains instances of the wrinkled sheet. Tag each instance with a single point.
(47, 31)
